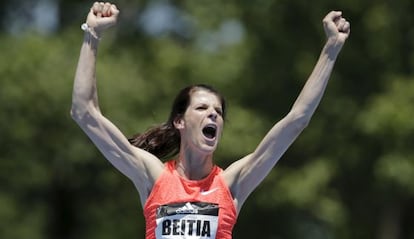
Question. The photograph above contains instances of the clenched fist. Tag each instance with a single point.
(102, 16)
(336, 27)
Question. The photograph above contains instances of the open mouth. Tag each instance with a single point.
(210, 131)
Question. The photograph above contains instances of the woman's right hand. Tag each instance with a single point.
(102, 16)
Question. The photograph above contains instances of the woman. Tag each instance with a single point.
(189, 196)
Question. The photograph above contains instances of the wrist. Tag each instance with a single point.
(334, 44)
(87, 29)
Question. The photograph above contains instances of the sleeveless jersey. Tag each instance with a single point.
(178, 208)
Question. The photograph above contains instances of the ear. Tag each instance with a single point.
(179, 122)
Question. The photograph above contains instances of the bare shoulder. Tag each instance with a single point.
(147, 169)
(232, 174)
(233, 177)
(147, 162)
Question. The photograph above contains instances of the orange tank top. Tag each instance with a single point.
(178, 208)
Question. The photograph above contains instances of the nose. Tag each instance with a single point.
(213, 115)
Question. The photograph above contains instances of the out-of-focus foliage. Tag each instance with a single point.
(349, 175)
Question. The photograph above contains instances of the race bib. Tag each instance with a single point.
(191, 220)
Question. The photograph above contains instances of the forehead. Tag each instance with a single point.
(204, 97)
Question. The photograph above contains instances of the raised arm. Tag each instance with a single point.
(244, 175)
(138, 165)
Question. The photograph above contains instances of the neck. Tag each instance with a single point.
(194, 166)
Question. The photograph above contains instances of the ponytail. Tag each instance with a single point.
(163, 141)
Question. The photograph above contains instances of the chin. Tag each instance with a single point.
(208, 148)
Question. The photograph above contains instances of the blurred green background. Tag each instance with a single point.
(349, 175)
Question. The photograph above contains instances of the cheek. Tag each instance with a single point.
(221, 128)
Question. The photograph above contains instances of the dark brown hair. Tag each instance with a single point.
(164, 140)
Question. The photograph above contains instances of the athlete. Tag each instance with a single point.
(188, 196)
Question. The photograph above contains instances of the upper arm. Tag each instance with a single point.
(140, 166)
(244, 175)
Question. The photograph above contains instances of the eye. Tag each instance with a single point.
(219, 111)
(202, 107)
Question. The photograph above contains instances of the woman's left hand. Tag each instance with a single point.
(336, 27)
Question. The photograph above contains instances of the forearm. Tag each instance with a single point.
(84, 89)
(311, 94)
